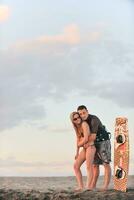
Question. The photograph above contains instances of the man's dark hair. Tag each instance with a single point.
(81, 107)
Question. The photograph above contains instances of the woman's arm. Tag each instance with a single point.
(77, 141)
(77, 147)
(86, 132)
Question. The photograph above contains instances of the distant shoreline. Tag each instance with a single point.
(49, 176)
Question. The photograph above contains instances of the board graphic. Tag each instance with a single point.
(121, 154)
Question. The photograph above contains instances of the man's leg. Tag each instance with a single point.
(107, 176)
(90, 152)
(96, 172)
(105, 154)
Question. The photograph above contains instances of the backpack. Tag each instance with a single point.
(102, 134)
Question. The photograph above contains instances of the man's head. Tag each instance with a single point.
(82, 110)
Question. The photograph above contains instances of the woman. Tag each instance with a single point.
(87, 153)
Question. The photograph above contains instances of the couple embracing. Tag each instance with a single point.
(93, 146)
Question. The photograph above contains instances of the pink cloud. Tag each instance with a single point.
(70, 35)
(4, 13)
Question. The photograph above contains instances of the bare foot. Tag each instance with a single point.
(78, 190)
(89, 188)
(103, 189)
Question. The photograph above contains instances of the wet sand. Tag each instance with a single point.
(57, 188)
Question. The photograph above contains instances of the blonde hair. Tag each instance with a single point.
(75, 127)
(72, 114)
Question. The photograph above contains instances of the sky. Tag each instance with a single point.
(55, 56)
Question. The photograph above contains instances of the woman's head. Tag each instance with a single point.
(75, 118)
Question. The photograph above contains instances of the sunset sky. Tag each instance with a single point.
(55, 56)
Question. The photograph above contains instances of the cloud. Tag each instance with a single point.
(31, 168)
(12, 162)
(70, 36)
(4, 13)
(59, 129)
(94, 36)
(54, 71)
(14, 167)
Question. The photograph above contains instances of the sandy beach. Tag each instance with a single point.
(62, 188)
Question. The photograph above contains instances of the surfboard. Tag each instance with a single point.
(121, 154)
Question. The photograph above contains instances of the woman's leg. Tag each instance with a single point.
(78, 162)
(90, 153)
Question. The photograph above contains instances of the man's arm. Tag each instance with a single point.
(94, 124)
(92, 137)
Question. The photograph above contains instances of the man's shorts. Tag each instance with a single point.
(103, 153)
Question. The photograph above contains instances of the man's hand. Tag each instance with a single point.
(86, 145)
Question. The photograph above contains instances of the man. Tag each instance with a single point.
(103, 147)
